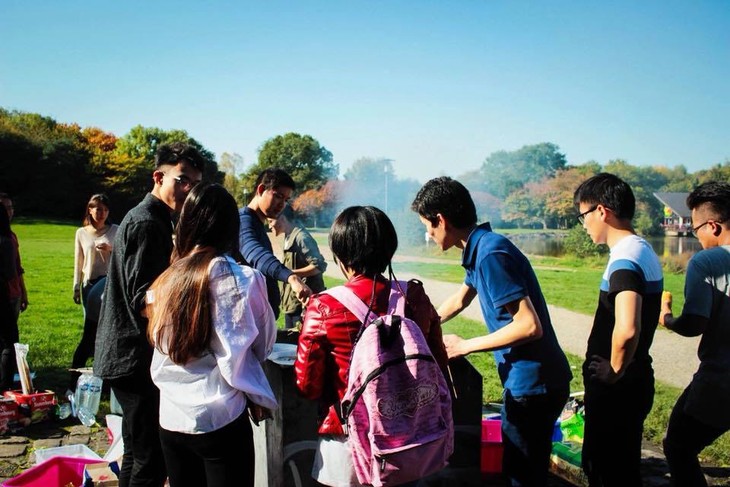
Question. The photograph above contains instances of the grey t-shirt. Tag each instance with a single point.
(707, 294)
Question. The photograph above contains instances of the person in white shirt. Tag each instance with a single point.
(212, 327)
(93, 248)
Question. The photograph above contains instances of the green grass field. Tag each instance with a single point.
(52, 325)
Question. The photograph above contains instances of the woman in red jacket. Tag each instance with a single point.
(363, 242)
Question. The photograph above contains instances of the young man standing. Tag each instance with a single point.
(272, 191)
(531, 365)
(701, 413)
(302, 256)
(617, 373)
(141, 252)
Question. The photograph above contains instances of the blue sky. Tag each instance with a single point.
(435, 86)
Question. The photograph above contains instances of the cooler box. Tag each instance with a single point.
(492, 449)
(54, 472)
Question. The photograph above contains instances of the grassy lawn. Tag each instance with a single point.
(52, 325)
(563, 282)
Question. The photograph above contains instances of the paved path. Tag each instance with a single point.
(675, 357)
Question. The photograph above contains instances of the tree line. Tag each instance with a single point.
(52, 168)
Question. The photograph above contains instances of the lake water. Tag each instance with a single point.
(551, 245)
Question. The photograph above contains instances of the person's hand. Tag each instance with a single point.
(666, 307)
(454, 346)
(258, 413)
(600, 370)
(77, 296)
(24, 302)
(301, 290)
(104, 247)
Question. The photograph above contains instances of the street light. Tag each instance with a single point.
(386, 161)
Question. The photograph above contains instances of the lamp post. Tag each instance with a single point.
(385, 162)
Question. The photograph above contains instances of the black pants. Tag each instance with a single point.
(8, 337)
(143, 464)
(614, 426)
(686, 438)
(527, 430)
(221, 458)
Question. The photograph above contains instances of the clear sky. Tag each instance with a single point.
(434, 85)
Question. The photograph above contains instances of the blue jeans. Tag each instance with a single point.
(686, 438)
(527, 430)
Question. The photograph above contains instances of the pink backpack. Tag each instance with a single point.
(397, 407)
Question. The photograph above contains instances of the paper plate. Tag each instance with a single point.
(283, 354)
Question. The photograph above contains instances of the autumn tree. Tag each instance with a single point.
(319, 205)
(132, 164)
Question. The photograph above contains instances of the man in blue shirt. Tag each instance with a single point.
(701, 413)
(272, 191)
(531, 365)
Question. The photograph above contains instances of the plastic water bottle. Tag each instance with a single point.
(88, 394)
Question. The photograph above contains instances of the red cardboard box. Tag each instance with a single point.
(8, 415)
(39, 404)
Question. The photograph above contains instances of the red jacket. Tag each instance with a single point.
(328, 333)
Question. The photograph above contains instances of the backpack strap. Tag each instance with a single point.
(397, 300)
(350, 300)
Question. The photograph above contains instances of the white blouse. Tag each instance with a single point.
(90, 262)
(211, 391)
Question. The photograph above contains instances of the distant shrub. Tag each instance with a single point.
(578, 243)
(675, 264)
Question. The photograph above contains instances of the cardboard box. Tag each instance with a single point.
(38, 406)
(100, 475)
(8, 415)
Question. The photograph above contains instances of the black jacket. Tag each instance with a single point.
(141, 253)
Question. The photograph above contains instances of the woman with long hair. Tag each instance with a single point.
(363, 241)
(93, 248)
(211, 326)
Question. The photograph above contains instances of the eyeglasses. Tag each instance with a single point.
(697, 228)
(185, 182)
(582, 216)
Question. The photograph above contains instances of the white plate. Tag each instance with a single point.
(283, 354)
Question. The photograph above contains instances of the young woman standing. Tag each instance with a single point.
(93, 247)
(211, 325)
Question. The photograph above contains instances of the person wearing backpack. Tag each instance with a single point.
(363, 241)
(532, 367)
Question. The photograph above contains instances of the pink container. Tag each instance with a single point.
(54, 472)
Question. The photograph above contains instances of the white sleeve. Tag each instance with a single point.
(244, 329)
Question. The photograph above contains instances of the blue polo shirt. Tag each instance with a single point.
(501, 274)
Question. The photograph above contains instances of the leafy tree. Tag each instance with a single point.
(231, 165)
(718, 172)
(504, 172)
(130, 168)
(558, 194)
(306, 161)
(526, 206)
